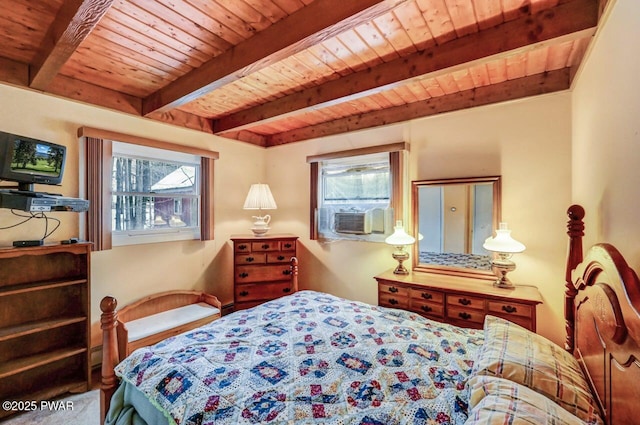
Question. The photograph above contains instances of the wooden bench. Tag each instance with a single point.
(159, 316)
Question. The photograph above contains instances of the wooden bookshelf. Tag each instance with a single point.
(44, 321)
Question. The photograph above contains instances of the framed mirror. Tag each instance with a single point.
(451, 220)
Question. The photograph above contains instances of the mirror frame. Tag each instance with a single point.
(451, 270)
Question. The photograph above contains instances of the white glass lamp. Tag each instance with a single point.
(504, 246)
(400, 239)
(260, 198)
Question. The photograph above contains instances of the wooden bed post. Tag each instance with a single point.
(108, 322)
(294, 273)
(575, 230)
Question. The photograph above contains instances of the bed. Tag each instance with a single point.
(313, 358)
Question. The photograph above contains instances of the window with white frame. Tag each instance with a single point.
(144, 190)
(356, 195)
(155, 195)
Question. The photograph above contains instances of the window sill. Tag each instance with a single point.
(138, 238)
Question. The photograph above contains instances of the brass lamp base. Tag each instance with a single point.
(400, 255)
(501, 266)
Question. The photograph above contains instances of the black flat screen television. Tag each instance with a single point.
(26, 161)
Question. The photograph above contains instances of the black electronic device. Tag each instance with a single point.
(27, 161)
(38, 202)
(35, 242)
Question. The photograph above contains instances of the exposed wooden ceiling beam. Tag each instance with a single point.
(509, 90)
(184, 119)
(318, 21)
(568, 21)
(95, 95)
(73, 23)
(248, 137)
(112, 99)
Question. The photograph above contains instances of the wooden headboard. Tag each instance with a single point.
(602, 304)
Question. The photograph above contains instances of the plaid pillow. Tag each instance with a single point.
(521, 356)
(498, 401)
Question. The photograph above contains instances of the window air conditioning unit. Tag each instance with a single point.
(353, 222)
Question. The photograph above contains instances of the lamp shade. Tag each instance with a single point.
(260, 198)
(503, 242)
(399, 237)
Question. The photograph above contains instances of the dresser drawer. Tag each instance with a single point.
(427, 308)
(389, 289)
(242, 247)
(262, 291)
(251, 258)
(287, 246)
(265, 246)
(391, 300)
(525, 322)
(240, 305)
(508, 309)
(461, 314)
(465, 301)
(262, 273)
(427, 295)
(278, 257)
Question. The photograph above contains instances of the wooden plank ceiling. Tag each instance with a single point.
(271, 72)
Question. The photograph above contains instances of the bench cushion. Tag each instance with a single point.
(159, 322)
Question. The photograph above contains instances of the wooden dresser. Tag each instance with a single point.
(261, 268)
(44, 322)
(456, 300)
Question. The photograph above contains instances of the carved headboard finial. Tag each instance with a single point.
(575, 230)
(575, 212)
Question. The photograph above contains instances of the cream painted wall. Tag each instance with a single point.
(606, 133)
(129, 273)
(527, 142)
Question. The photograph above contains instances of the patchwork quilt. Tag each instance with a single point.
(310, 358)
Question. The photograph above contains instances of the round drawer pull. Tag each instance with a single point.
(243, 293)
(464, 301)
(509, 308)
(426, 295)
(393, 289)
(464, 316)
